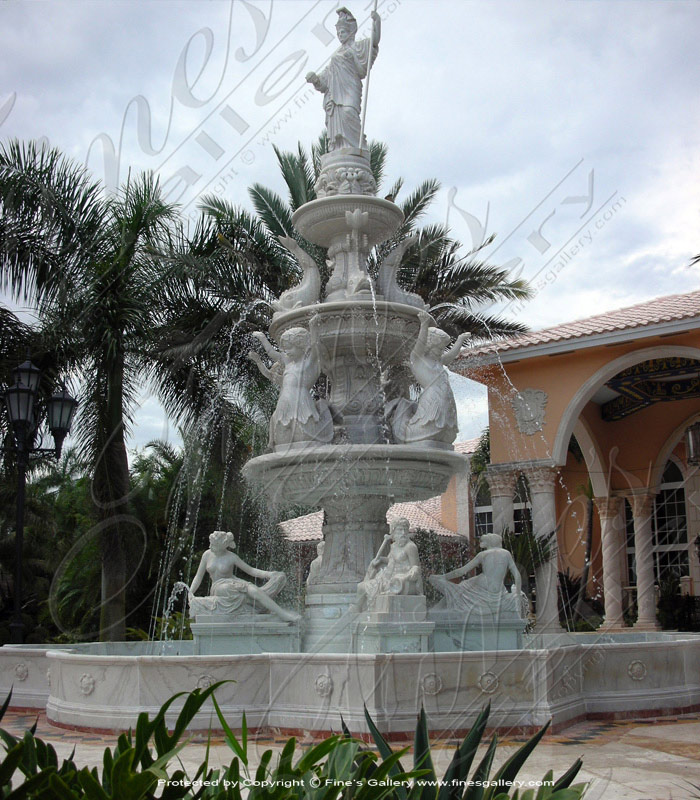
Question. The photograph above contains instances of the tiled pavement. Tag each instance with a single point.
(630, 760)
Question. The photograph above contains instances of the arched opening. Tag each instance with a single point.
(614, 373)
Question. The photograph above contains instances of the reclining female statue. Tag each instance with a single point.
(485, 593)
(230, 595)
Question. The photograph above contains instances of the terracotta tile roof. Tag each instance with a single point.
(424, 514)
(653, 312)
(467, 447)
(303, 529)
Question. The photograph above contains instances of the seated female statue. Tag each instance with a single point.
(231, 595)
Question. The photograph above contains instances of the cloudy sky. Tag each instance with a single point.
(570, 129)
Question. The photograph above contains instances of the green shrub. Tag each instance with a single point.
(336, 768)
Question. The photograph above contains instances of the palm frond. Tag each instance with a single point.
(52, 219)
(272, 210)
(377, 160)
(456, 319)
(417, 202)
(298, 175)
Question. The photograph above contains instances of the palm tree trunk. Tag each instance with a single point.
(111, 491)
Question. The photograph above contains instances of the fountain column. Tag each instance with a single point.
(359, 330)
(353, 532)
(502, 489)
(544, 521)
(612, 525)
(642, 509)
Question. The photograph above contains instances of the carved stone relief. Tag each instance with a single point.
(529, 406)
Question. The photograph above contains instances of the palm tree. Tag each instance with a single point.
(124, 294)
(91, 267)
(455, 286)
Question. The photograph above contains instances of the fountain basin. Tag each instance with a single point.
(316, 473)
(366, 328)
(323, 221)
(598, 677)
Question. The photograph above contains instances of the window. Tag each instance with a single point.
(669, 529)
(522, 512)
(670, 526)
(483, 515)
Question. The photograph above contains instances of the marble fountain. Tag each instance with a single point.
(366, 636)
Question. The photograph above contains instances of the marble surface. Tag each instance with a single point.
(525, 688)
(632, 760)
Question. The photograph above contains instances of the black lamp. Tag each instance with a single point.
(61, 408)
(20, 401)
(28, 374)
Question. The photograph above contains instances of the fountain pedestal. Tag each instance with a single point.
(455, 632)
(355, 484)
(396, 624)
(218, 634)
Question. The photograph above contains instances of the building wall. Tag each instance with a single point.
(561, 377)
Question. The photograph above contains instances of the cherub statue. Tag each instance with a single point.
(485, 593)
(399, 572)
(231, 595)
(433, 417)
(341, 81)
(297, 417)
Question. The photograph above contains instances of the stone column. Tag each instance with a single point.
(502, 488)
(612, 534)
(642, 509)
(544, 521)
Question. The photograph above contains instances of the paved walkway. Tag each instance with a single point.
(631, 760)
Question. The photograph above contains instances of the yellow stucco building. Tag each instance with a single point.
(626, 386)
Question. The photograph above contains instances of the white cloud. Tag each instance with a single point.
(499, 100)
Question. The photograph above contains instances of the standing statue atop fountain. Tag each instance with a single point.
(485, 594)
(433, 417)
(231, 595)
(297, 417)
(397, 573)
(341, 81)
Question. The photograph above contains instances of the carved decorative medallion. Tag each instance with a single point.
(432, 683)
(568, 684)
(21, 671)
(637, 670)
(529, 406)
(488, 682)
(205, 681)
(324, 685)
(87, 684)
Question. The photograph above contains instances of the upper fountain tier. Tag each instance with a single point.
(372, 440)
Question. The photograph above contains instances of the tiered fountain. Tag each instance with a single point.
(366, 637)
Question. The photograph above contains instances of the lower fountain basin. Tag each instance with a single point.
(594, 676)
(309, 475)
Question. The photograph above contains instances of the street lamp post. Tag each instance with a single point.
(20, 401)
